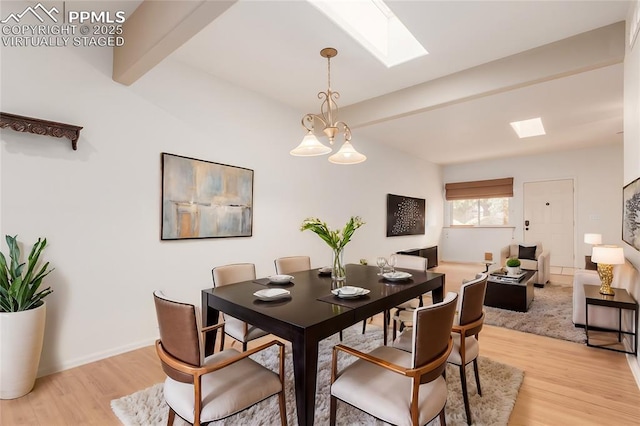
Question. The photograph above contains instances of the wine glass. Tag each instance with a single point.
(381, 262)
(392, 262)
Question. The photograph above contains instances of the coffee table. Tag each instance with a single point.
(512, 296)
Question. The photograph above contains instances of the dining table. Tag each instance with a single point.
(312, 313)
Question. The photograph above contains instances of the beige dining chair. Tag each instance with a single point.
(466, 327)
(467, 323)
(237, 329)
(291, 264)
(403, 261)
(396, 386)
(202, 390)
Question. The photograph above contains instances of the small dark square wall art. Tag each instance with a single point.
(405, 215)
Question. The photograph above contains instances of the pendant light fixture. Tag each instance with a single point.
(310, 145)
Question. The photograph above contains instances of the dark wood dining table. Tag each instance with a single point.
(304, 319)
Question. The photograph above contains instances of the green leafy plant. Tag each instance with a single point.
(19, 286)
(336, 239)
(513, 262)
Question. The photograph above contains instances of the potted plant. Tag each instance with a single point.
(336, 239)
(513, 266)
(22, 318)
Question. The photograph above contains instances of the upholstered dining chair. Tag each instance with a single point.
(405, 309)
(396, 386)
(291, 264)
(468, 323)
(239, 330)
(201, 390)
(466, 327)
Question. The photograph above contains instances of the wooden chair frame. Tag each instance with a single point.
(198, 372)
(414, 373)
(467, 330)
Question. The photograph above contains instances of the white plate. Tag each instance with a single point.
(280, 279)
(350, 292)
(269, 294)
(396, 276)
(325, 270)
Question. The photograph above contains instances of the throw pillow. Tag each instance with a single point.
(527, 252)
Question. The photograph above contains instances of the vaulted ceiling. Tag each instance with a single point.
(489, 63)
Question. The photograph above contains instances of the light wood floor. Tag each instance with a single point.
(565, 383)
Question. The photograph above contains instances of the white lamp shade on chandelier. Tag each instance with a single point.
(310, 145)
(593, 239)
(347, 155)
(608, 255)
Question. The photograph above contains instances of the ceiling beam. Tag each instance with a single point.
(584, 52)
(156, 29)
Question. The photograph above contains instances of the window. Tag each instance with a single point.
(372, 24)
(480, 212)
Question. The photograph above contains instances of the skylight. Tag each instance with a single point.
(528, 128)
(372, 24)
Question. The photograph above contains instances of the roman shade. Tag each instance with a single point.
(493, 188)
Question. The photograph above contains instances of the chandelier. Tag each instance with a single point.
(310, 145)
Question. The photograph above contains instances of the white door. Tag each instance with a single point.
(548, 218)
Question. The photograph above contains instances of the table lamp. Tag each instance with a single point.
(593, 239)
(606, 257)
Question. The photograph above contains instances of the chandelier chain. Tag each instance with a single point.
(329, 72)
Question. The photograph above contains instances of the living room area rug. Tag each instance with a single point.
(500, 386)
(550, 314)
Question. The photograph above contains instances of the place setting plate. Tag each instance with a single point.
(350, 292)
(279, 279)
(397, 276)
(324, 271)
(270, 294)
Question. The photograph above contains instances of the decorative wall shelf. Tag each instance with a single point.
(37, 126)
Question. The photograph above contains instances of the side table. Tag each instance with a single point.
(621, 300)
(488, 263)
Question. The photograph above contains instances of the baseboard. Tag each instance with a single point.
(634, 365)
(97, 356)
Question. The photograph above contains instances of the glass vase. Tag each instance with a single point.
(338, 271)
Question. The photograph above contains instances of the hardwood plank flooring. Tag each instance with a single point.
(565, 383)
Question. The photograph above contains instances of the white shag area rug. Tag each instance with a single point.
(500, 384)
(550, 314)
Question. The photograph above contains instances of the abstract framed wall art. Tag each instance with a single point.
(203, 199)
(405, 215)
(631, 214)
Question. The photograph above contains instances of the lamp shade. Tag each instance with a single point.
(593, 238)
(607, 255)
(347, 155)
(310, 146)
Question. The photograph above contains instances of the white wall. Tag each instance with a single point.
(99, 206)
(632, 142)
(598, 199)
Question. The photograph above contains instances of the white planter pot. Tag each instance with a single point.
(513, 270)
(21, 337)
